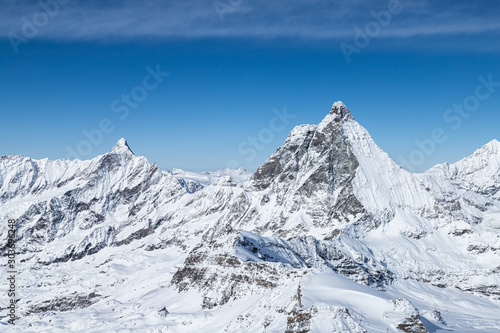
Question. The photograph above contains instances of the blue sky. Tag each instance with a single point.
(235, 67)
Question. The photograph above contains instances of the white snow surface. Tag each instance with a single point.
(114, 244)
(208, 177)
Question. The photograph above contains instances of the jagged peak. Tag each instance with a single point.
(487, 155)
(493, 145)
(122, 147)
(340, 111)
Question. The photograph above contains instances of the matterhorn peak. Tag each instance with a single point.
(340, 111)
(122, 147)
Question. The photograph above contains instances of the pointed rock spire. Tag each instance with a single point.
(312, 156)
(340, 111)
(122, 147)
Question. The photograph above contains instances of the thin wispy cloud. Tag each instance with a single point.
(315, 19)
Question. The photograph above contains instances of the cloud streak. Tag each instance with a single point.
(314, 19)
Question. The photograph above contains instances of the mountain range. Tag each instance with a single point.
(328, 235)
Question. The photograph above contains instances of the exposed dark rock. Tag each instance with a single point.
(65, 303)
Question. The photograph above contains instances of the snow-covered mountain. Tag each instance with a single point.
(328, 235)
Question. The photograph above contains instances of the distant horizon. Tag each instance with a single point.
(202, 85)
(242, 167)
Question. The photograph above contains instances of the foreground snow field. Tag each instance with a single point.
(328, 235)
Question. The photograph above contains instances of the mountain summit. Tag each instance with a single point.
(340, 111)
(493, 146)
(122, 147)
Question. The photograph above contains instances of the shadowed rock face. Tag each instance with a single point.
(316, 162)
(65, 303)
(307, 145)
